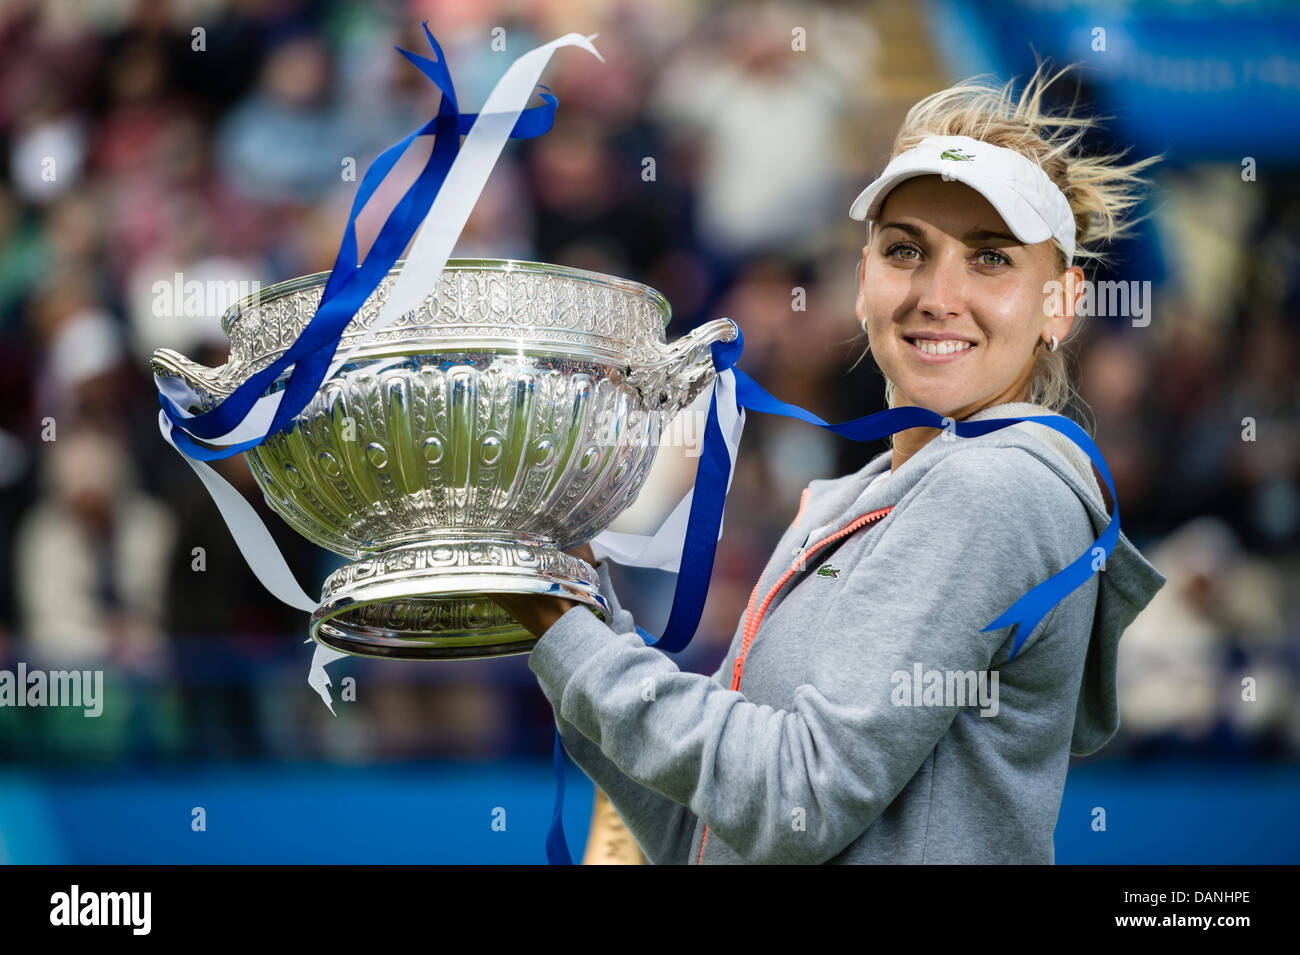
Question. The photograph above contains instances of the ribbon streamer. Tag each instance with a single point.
(663, 549)
(439, 202)
(440, 213)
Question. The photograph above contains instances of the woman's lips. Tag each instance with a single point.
(938, 359)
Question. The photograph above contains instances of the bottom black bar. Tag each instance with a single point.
(330, 903)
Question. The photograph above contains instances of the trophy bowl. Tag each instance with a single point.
(462, 449)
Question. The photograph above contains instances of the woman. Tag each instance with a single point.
(862, 713)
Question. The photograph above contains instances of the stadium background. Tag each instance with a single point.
(226, 164)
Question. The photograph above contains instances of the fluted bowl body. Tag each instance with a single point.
(518, 396)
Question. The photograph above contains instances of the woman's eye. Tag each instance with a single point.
(987, 257)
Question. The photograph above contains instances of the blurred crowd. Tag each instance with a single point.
(222, 141)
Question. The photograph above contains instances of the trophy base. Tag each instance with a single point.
(427, 600)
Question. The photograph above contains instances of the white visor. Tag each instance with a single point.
(1031, 205)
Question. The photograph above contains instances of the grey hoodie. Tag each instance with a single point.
(838, 743)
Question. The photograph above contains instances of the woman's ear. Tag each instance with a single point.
(1074, 291)
(859, 305)
(1071, 294)
(1062, 303)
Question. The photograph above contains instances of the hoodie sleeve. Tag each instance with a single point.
(661, 827)
(964, 543)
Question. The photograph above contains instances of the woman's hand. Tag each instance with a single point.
(537, 613)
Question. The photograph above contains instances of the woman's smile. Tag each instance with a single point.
(939, 351)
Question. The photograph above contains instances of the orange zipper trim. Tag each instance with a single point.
(752, 621)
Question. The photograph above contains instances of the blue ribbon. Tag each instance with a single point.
(710, 494)
(349, 285)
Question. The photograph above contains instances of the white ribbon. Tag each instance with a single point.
(250, 533)
(662, 550)
(438, 233)
(317, 678)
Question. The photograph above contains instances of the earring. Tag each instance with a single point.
(1054, 345)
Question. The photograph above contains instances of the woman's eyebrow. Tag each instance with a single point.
(979, 235)
(903, 227)
(983, 235)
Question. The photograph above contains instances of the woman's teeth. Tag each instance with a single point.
(945, 347)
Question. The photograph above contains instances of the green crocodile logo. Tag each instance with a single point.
(826, 570)
(955, 154)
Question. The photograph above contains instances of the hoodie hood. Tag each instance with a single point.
(1127, 583)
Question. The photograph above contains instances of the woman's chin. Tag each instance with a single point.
(940, 403)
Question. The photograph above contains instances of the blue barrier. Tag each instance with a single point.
(1181, 813)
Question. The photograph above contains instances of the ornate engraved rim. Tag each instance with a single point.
(282, 289)
(461, 576)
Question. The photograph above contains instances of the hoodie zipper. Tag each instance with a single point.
(752, 620)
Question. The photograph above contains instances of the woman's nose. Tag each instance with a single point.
(941, 288)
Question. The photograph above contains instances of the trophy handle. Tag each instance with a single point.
(208, 382)
(682, 369)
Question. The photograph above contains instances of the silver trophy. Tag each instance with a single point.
(463, 448)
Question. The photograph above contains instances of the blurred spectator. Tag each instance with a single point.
(142, 156)
(287, 141)
(767, 125)
(1218, 619)
(91, 559)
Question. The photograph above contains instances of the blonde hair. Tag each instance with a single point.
(1101, 189)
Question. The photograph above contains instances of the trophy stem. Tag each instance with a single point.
(427, 600)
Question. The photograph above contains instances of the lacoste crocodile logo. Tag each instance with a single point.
(826, 570)
(956, 155)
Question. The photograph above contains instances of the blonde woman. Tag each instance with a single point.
(863, 713)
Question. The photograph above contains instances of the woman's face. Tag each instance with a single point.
(943, 267)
